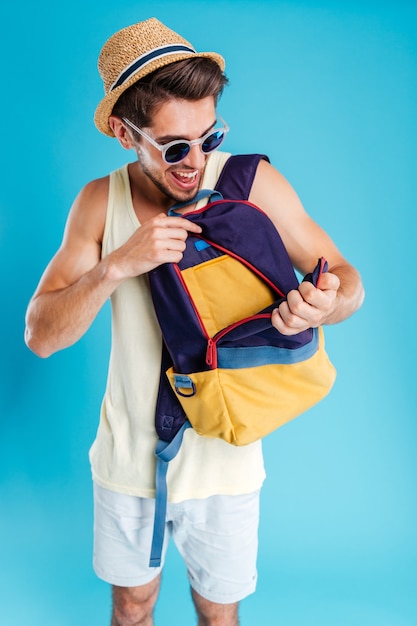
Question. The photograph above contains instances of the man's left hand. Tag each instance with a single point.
(307, 306)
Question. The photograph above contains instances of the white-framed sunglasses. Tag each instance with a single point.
(176, 151)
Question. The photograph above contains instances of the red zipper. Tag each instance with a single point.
(244, 262)
(322, 264)
(211, 354)
(211, 204)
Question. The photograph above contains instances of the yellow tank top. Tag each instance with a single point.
(122, 455)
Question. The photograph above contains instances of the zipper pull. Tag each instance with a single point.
(211, 354)
(323, 267)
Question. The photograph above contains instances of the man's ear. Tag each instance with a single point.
(120, 132)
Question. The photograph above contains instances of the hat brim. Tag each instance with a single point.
(105, 107)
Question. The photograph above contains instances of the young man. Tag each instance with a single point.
(160, 100)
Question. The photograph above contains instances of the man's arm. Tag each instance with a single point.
(77, 281)
(340, 291)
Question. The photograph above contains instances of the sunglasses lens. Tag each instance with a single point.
(177, 152)
(213, 141)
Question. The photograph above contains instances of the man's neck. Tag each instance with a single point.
(145, 192)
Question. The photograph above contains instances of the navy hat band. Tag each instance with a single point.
(143, 60)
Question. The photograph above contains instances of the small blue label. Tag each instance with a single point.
(201, 244)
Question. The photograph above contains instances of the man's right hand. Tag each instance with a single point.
(160, 240)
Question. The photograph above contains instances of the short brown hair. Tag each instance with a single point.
(190, 79)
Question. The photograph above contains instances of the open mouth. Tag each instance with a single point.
(186, 180)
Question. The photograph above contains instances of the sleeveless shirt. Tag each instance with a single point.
(122, 455)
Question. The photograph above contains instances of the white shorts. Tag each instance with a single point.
(217, 538)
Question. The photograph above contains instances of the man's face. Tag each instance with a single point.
(177, 119)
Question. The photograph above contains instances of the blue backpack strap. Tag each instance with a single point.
(164, 452)
(203, 193)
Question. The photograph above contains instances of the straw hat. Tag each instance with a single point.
(132, 53)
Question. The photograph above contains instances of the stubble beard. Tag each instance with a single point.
(166, 190)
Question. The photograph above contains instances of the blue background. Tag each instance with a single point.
(329, 91)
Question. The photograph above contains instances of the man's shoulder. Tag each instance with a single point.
(97, 186)
(89, 207)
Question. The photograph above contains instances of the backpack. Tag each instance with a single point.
(226, 371)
